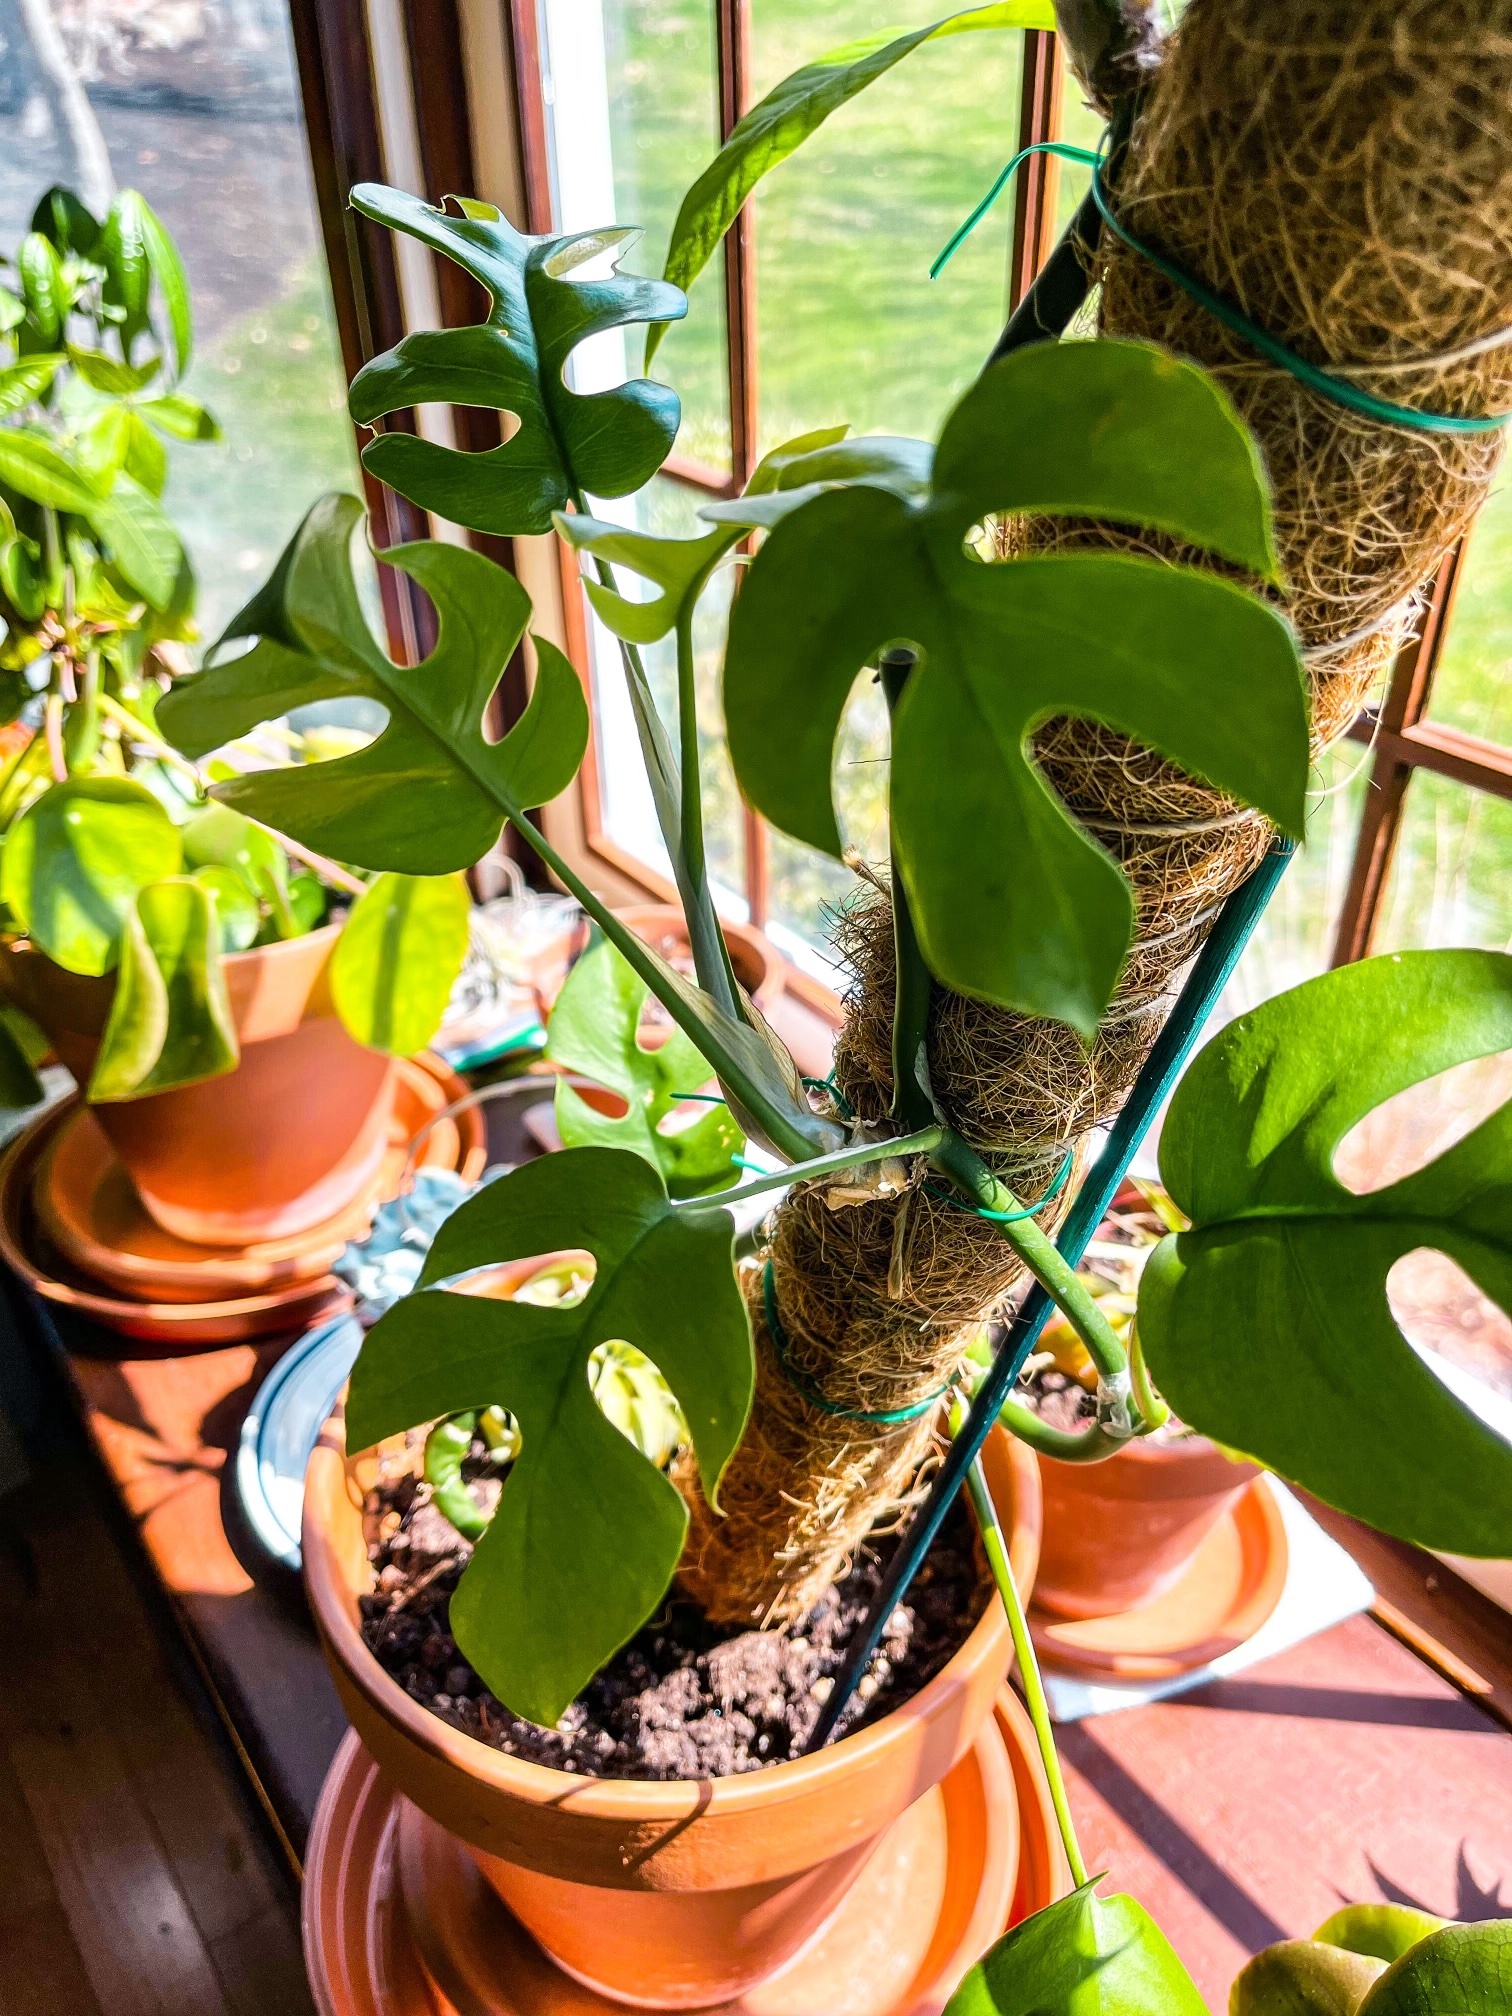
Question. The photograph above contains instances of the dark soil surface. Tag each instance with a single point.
(685, 1698)
(1059, 1400)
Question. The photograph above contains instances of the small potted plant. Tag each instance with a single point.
(190, 969)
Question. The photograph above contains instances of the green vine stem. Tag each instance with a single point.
(922, 1142)
(711, 958)
(694, 860)
(1066, 1445)
(996, 1550)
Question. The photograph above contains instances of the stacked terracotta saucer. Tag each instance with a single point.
(74, 1227)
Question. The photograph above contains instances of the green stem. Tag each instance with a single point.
(778, 1127)
(706, 940)
(1153, 1410)
(923, 1142)
(1065, 1445)
(996, 1550)
(911, 1100)
(955, 1159)
(694, 859)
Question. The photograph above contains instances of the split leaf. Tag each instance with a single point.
(76, 860)
(1267, 1325)
(170, 1018)
(1084, 1956)
(587, 1532)
(428, 795)
(594, 1031)
(785, 118)
(398, 958)
(1465, 1970)
(1012, 901)
(607, 443)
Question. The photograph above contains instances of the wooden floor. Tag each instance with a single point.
(136, 1877)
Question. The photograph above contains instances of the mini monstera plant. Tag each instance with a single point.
(114, 859)
(977, 578)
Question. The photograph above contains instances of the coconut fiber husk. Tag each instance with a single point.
(1342, 172)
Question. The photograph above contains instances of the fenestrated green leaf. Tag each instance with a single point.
(398, 958)
(594, 1031)
(76, 860)
(1085, 1956)
(19, 1084)
(26, 380)
(785, 118)
(420, 798)
(170, 1018)
(608, 443)
(139, 539)
(1379, 1931)
(1267, 1325)
(32, 465)
(1465, 1970)
(1295, 1977)
(587, 1533)
(881, 461)
(1012, 901)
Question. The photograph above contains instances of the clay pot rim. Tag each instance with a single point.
(24, 947)
(615, 1799)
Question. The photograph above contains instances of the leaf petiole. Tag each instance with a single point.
(923, 1142)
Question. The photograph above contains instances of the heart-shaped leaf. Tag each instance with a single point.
(1012, 901)
(1084, 1956)
(426, 796)
(237, 915)
(587, 1533)
(1267, 1325)
(1379, 1931)
(594, 1031)
(1296, 1977)
(398, 958)
(607, 443)
(170, 1019)
(1465, 1970)
(785, 118)
(76, 861)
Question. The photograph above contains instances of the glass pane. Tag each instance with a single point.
(1451, 881)
(197, 106)
(629, 817)
(631, 93)
(1473, 687)
(851, 326)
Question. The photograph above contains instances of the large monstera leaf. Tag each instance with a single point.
(587, 1532)
(608, 443)
(425, 796)
(595, 1030)
(1014, 903)
(1267, 1325)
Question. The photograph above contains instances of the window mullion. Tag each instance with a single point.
(1405, 705)
(1038, 180)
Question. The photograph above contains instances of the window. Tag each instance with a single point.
(196, 104)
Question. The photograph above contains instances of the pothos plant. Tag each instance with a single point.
(114, 860)
(1267, 1322)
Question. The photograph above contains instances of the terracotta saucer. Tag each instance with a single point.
(398, 1921)
(168, 1328)
(1233, 1584)
(89, 1211)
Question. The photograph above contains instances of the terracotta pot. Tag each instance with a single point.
(757, 963)
(666, 1896)
(1120, 1533)
(288, 1139)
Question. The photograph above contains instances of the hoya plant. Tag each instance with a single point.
(1083, 561)
(115, 861)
